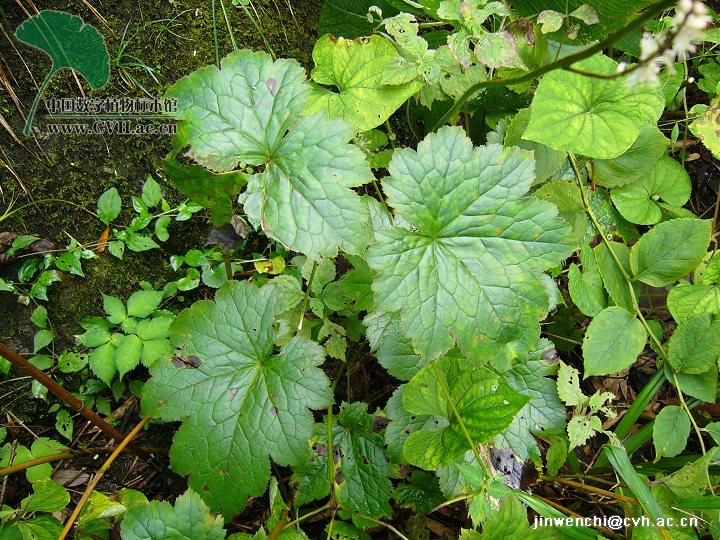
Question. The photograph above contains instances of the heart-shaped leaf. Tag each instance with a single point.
(640, 158)
(637, 202)
(595, 117)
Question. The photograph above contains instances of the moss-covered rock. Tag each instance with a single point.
(172, 38)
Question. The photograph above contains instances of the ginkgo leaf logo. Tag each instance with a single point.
(71, 44)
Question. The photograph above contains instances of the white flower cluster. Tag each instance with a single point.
(688, 25)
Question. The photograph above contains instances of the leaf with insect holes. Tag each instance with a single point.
(244, 404)
(356, 69)
(189, 518)
(249, 111)
(465, 269)
(363, 470)
(403, 424)
(70, 44)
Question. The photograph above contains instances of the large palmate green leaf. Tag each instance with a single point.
(243, 404)
(249, 112)
(71, 44)
(637, 201)
(464, 271)
(356, 67)
(189, 519)
(485, 402)
(595, 117)
(670, 251)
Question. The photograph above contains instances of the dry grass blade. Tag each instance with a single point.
(8, 87)
(99, 16)
(292, 13)
(282, 24)
(27, 13)
(12, 44)
(7, 127)
(99, 476)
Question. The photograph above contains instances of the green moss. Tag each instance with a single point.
(78, 169)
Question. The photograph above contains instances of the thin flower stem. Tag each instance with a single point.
(629, 280)
(308, 515)
(307, 294)
(377, 522)
(695, 426)
(561, 63)
(99, 476)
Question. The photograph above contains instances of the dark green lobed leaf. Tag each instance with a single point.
(464, 270)
(243, 404)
